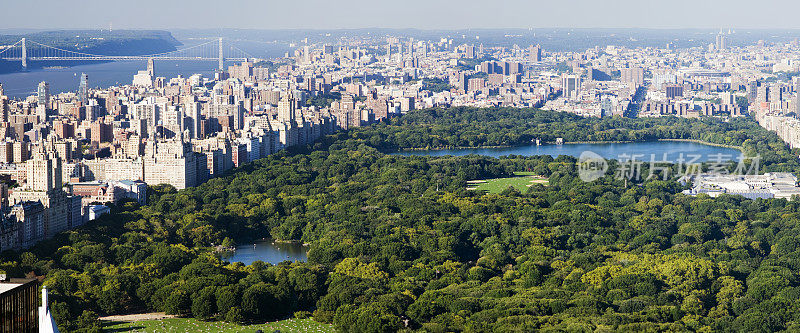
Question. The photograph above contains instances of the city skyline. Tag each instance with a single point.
(455, 170)
(419, 14)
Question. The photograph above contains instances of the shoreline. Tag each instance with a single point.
(567, 143)
(705, 143)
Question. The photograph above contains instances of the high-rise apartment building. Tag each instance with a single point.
(151, 67)
(535, 54)
(43, 94)
(286, 109)
(570, 86)
(633, 75)
(83, 89)
(43, 184)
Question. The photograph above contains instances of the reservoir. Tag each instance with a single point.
(268, 251)
(659, 150)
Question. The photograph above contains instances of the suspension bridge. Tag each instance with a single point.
(215, 50)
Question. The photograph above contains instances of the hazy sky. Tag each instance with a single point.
(423, 14)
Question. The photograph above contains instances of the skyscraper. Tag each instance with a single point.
(470, 51)
(286, 109)
(193, 112)
(43, 94)
(535, 54)
(151, 67)
(571, 86)
(83, 89)
(721, 41)
(4, 108)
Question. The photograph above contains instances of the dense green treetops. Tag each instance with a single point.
(397, 243)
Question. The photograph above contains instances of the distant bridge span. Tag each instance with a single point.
(25, 51)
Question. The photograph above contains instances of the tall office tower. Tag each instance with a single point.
(83, 89)
(570, 86)
(307, 54)
(721, 41)
(193, 112)
(535, 54)
(470, 51)
(4, 109)
(286, 109)
(151, 68)
(763, 94)
(43, 94)
(752, 91)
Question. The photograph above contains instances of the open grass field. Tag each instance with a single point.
(521, 182)
(194, 325)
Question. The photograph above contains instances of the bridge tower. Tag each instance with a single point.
(24, 54)
(221, 59)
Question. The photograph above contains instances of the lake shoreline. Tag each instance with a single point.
(267, 250)
(565, 143)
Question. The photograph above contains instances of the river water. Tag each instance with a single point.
(102, 75)
(23, 84)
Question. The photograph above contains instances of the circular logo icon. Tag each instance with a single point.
(591, 166)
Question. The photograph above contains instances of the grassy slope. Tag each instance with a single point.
(194, 325)
(520, 182)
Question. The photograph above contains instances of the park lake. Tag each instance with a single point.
(268, 251)
(670, 151)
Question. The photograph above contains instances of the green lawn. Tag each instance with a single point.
(521, 182)
(193, 325)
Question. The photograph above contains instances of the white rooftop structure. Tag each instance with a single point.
(769, 185)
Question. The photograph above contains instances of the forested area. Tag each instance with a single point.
(397, 243)
(469, 127)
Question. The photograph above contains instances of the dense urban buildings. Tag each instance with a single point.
(616, 253)
(72, 152)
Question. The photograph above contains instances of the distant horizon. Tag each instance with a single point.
(724, 29)
(421, 14)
